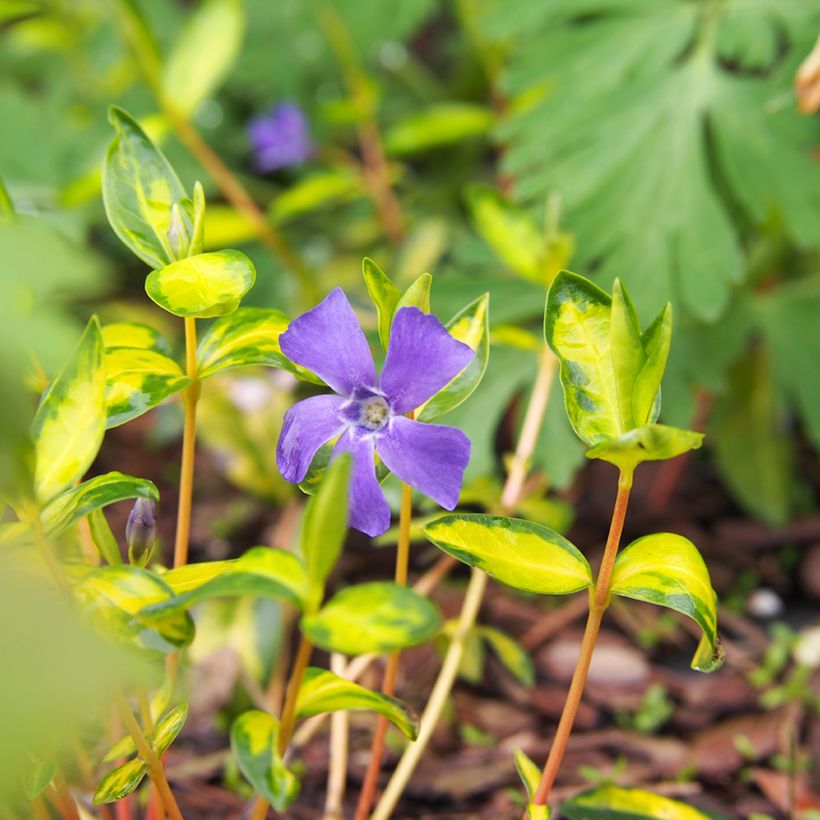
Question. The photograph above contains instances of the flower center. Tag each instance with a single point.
(374, 413)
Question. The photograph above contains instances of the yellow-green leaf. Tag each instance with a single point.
(417, 294)
(132, 334)
(112, 598)
(322, 691)
(655, 442)
(384, 295)
(518, 553)
(375, 617)
(70, 421)
(94, 494)
(472, 327)
(667, 570)
(262, 571)
(513, 656)
(202, 286)
(203, 53)
(317, 190)
(255, 741)
(140, 189)
(39, 774)
(618, 803)
(437, 126)
(120, 782)
(167, 729)
(138, 379)
(529, 773)
(248, 336)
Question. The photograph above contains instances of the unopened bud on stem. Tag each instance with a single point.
(141, 532)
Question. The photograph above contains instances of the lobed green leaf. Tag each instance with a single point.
(518, 553)
(255, 741)
(249, 336)
(262, 571)
(667, 570)
(70, 421)
(375, 617)
(91, 495)
(139, 189)
(322, 691)
(202, 286)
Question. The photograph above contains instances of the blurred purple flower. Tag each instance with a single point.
(280, 138)
(368, 412)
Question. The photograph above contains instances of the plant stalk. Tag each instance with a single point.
(337, 773)
(533, 419)
(156, 771)
(599, 601)
(371, 779)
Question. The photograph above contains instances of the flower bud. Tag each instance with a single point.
(141, 532)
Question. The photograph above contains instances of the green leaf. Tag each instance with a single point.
(139, 189)
(384, 295)
(610, 372)
(507, 228)
(112, 598)
(655, 442)
(322, 691)
(203, 53)
(133, 335)
(262, 571)
(91, 495)
(472, 327)
(417, 294)
(255, 741)
(202, 286)
(667, 570)
(314, 191)
(38, 776)
(136, 380)
(518, 553)
(439, 125)
(375, 617)
(515, 659)
(70, 421)
(103, 538)
(618, 803)
(529, 773)
(248, 336)
(324, 526)
(120, 782)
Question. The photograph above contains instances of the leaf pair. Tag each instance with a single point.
(663, 569)
(611, 372)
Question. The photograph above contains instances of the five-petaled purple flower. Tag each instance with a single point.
(280, 138)
(368, 414)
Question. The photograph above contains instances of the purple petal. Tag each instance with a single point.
(422, 357)
(430, 457)
(329, 341)
(369, 511)
(306, 427)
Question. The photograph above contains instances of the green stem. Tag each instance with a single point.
(510, 495)
(599, 601)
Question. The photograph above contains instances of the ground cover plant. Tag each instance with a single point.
(295, 521)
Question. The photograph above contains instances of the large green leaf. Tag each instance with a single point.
(666, 95)
(202, 286)
(255, 741)
(374, 617)
(140, 189)
(138, 379)
(667, 570)
(516, 552)
(70, 421)
(203, 53)
(262, 571)
(120, 782)
(472, 327)
(248, 336)
(618, 803)
(94, 494)
(611, 372)
(322, 691)
(324, 526)
(113, 597)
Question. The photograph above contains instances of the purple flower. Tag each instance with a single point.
(368, 414)
(280, 138)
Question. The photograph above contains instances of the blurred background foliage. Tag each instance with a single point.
(490, 143)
